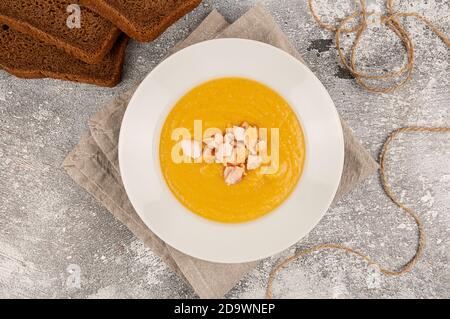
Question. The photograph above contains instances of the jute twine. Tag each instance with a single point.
(388, 189)
(391, 20)
(400, 77)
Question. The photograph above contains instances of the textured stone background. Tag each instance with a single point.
(48, 224)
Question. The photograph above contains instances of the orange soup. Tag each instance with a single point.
(200, 186)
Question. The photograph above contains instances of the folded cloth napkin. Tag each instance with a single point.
(93, 163)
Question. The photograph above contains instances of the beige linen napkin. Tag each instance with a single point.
(93, 163)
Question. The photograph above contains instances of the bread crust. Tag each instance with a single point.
(90, 54)
(107, 73)
(132, 27)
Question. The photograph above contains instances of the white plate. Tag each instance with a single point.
(139, 144)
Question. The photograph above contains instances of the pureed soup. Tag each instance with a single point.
(222, 174)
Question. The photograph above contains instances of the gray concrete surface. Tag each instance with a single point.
(49, 227)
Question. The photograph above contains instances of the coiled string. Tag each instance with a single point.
(400, 77)
(388, 189)
(390, 19)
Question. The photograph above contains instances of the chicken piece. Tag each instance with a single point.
(241, 153)
(229, 138)
(213, 141)
(218, 139)
(239, 133)
(208, 156)
(231, 159)
(251, 138)
(191, 148)
(233, 174)
(210, 142)
(222, 152)
(253, 162)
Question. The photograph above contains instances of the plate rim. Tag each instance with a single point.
(340, 160)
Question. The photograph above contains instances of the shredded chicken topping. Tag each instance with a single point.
(239, 149)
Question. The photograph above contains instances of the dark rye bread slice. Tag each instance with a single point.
(26, 57)
(142, 20)
(46, 20)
